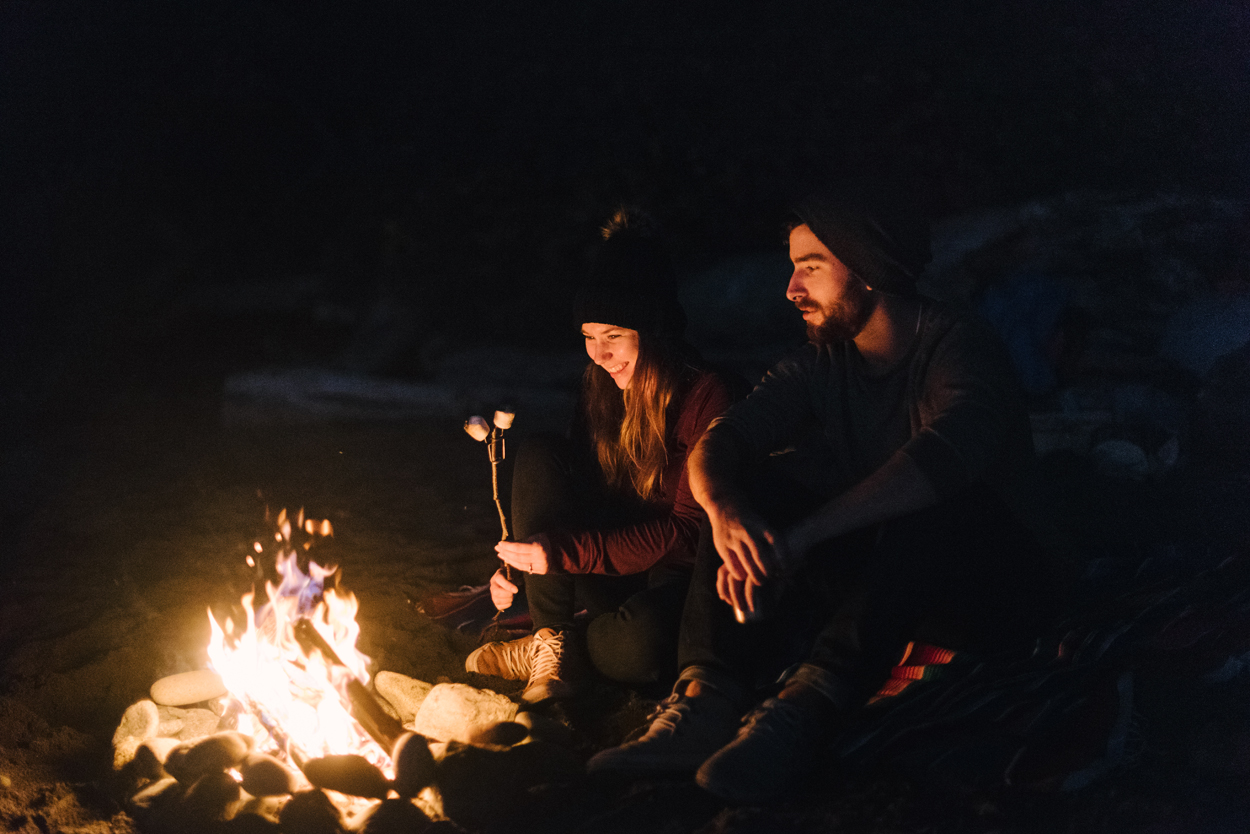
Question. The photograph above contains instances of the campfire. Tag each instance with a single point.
(295, 679)
(286, 722)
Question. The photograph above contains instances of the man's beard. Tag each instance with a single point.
(844, 319)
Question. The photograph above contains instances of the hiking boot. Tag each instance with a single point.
(681, 737)
(512, 659)
(777, 744)
(558, 669)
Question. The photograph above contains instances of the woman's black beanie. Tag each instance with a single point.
(631, 282)
(883, 242)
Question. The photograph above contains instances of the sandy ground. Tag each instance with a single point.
(143, 522)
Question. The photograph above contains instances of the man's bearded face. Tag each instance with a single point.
(842, 319)
(835, 302)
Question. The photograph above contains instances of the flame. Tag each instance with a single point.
(292, 702)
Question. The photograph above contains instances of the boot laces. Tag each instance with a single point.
(777, 717)
(669, 716)
(548, 656)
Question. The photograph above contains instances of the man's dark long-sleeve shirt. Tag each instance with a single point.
(951, 403)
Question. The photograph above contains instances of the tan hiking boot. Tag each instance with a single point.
(559, 667)
(512, 659)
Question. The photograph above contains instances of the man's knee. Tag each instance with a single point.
(633, 645)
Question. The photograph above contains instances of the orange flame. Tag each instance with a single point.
(285, 696)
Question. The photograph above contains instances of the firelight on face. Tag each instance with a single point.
(615, 349)
(835, 303)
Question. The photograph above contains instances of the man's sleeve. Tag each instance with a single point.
(768, 418)
(969, 404)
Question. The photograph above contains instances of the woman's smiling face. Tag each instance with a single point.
(615, 349)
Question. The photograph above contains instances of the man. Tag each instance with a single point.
(875, 480)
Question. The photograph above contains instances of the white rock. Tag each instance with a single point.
(405, 694)
(139, 722)
(457, 712)
(188, 688)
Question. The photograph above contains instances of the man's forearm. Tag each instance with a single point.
(712, 468)
(899, 487)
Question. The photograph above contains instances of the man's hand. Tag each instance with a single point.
(531, 556)
(746, 545)
(742, 594)
(502, 591)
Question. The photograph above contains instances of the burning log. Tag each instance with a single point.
(365, 707)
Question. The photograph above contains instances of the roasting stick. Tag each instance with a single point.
(497, 450)
(365, 707)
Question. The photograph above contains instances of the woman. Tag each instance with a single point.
(605, 519)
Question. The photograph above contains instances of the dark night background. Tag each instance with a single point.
(461, 160)
(193, 190)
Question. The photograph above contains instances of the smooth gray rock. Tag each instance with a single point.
(188, 688)
(349, 774)
(266, 776)
(392, 816)
(215, 797)
(403, 693)
(149, 759)
(139, 722)
(191, 760)
(542, 728)
(503, 734)
(480, 786)
(311, 812)
(414, 765)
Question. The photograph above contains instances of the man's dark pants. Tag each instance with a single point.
(964, 574)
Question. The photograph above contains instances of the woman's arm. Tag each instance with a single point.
(637, 547)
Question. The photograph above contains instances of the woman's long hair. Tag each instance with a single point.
(629, 429)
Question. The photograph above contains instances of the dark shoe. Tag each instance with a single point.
(777, 745)
(512, 659)
(559, 667)
(680, 738)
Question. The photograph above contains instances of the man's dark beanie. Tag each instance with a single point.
(632, 282)
(885, 244)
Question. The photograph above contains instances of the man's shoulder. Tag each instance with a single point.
(942, 319)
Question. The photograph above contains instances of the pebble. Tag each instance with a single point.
(505, 734)
(162, 792)
(149, 759)
(414, 765)
(197, 723)
(188, 688)
(542, 728)
(403, 693)
(392, 816)
(191, 760)
(139, 722)
(266, 776)
(458, 712)
(349, 774)
(214, 796)
(481, 787)
(311, 812)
